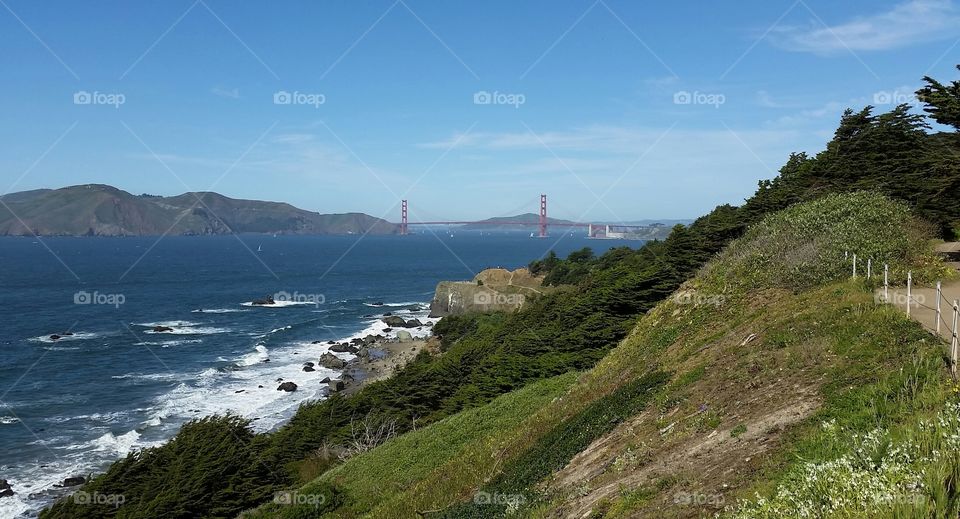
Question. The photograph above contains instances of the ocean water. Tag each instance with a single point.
(71, 406)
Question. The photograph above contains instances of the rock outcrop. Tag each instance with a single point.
(491, 290)
(289, 387)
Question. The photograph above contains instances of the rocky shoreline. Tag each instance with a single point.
(375, 357)
(359, 361)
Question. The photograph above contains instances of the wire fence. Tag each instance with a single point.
(940, 319)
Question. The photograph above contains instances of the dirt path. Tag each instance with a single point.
(923, 305)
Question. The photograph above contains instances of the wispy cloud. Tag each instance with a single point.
(233, 93)
(908, 23)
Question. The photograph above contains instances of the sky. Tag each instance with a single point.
(617, 110)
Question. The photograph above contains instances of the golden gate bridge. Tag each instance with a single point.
(542, 223)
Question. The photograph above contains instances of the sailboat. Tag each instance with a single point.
(260, 248)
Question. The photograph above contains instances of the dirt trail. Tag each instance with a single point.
(923, 305)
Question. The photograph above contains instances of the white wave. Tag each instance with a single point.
(4, 420)
(168, 324)
(13, 506)
(121, 445)
(166, 344)
(279, 304)
(260, 354)
(191, 330)
(405, 303)
(74, 336)
(218, 310)
(146, 376)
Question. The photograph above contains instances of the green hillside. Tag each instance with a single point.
(100, 210)
(754, 370)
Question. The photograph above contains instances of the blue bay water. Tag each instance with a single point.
(70, 406)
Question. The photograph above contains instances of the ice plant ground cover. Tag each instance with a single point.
(886, 473)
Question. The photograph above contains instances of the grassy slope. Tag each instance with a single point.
(382, 476)
(754, 377)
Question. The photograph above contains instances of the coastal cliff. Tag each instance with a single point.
(489, 291)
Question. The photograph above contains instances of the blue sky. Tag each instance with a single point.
(618, 110)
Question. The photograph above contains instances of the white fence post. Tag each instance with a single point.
(854, 265)
(869, 267)
(909, 286)
(938, 308)
(953, 340)
(886, 275)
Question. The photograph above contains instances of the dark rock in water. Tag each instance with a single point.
(266, 300)
(324, 380)
(5, 489)
(259, 387)
(54, 337)
(335, 385)
(387, 330)
(378, 303)
(73, 481)
(369, 339)
(265, 360)
(280, 379)
(413, 323)
(394, 321)
(162, 329)
(315, 342)
(331, 342)
(309, 364)
(308, 369)
(289, 387)
(66, 334)
(240, 391)
(367, 316)
(331, 361)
